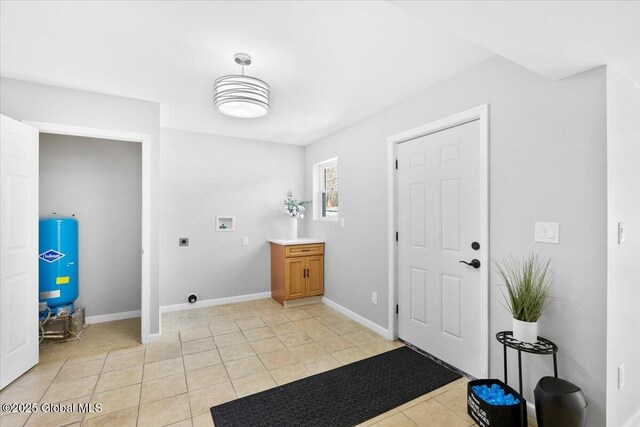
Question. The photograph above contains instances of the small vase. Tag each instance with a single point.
(293, 228)
(525, 331)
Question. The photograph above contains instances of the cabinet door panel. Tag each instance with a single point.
(295, 280)
(315, 272)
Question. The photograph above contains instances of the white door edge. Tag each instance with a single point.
(145, 140)
(480, 113)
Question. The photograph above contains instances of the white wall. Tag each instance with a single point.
(100, 181)
(623, 184)
(41, 103)
(203, 176)
(547, 163)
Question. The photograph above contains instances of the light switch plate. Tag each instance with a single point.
(245, 240)
(374, 298)
(620, 233)
(342, 221)
(547, 232)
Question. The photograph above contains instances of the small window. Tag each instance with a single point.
(326, 185)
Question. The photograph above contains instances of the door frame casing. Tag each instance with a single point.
(145, 140)
(480, 113)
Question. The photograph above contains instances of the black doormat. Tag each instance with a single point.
(344, 396)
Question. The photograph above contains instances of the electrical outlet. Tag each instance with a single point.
(342, 221)
(621, 376)
(245, 240)
(374, 298)
(183, 241)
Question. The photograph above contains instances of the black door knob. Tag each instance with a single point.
(474, 263)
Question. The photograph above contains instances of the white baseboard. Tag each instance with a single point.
(212, 302)
(531, 410)
(357, 318)
(100, 318)
(634, 421)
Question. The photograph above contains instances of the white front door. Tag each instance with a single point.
(440, 191)
(18, 249)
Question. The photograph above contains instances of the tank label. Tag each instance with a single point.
(50, 294)
(51, 256)
(62, 280)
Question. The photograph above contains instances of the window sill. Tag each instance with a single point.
(326, 219)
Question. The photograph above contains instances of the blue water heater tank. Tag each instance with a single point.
(59, 263)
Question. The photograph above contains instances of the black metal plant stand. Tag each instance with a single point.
(542, 347)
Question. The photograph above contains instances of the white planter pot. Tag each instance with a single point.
(293, 229)
(525, 331)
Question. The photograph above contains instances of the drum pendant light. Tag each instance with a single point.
(241, 96)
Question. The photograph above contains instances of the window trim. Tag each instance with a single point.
(318, 189)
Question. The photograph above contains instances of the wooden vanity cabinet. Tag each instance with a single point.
(297, 271)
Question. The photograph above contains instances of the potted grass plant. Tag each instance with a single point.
(528, 282)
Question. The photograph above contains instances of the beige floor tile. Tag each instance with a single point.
(456, 400)
(194, 334)
(123, 361)
(307, 324)
(344, 327)
(321, 333)
(397, 420)
(245, 367)
(183, 423)
(42, 418)
(277, 359)
(163, 388)
(198, 346)
(306, 352)
(164, 368)
(163, 412)
(290, 373)
(295, 339)
(203, 420)
(253, 384)
(188, 324)
(433, 414)
(258, 334)
(321, 363)
(235, 352)
(360, 337)
(80, 369)
(116, 400)
(267, 346)
(350, 355)
(162, 351)
(379, 418)
(414, 402)
(23, 394)
(217, 310)
(329, 318)
(200, 360)
(230, 339)
(222, 328)
(117, 379)
(204, 398)
(274, 319)
(206, 377)
(448, 387)
(70, 389)
(14, 420)
(85, 355)
(380, 345)
(250, 323)
(284, 328)
(125, 418)
(296, 314)
(331, 345)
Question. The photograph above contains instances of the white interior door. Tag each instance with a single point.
(18, 249)
(439, 217)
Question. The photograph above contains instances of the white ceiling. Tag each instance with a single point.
(554, 38)
(329, 63)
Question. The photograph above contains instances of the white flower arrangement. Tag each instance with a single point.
(294, 208)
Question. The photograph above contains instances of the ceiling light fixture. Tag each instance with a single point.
(241, 96)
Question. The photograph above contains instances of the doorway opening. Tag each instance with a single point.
(128, 144)
(439, 239)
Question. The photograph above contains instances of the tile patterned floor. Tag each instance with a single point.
(206, 357)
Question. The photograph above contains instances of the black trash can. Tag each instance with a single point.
(560, 403)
